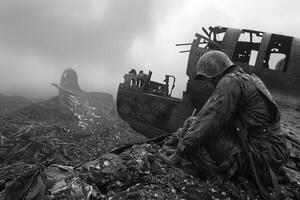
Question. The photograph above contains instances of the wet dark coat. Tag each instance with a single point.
(211, 142)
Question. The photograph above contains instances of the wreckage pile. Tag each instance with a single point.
(60, 129)
(135, 173)
(57, 149)
(65, 148)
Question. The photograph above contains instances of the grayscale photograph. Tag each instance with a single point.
(149, 100)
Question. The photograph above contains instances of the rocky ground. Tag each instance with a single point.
(12, 103)
(290, 122)
(63, 148)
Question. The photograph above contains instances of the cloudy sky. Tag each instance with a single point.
(103, 39)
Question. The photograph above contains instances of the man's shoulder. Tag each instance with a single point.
(238, 77)
(231, 78)
(229, 81)
(237, 74)
(244, 77)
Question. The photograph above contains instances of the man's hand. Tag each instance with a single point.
(171, 140)
(171, 160)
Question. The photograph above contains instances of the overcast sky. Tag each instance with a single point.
(103, 39)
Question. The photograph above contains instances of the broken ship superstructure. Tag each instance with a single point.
(150, 109)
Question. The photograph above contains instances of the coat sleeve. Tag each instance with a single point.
(214, 115)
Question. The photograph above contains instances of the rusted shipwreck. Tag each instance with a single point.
(150, 109)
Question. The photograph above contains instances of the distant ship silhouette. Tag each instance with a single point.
(69, 85)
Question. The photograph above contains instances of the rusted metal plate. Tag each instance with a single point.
(151, 115)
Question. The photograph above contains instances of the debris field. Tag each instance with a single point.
(62, 149)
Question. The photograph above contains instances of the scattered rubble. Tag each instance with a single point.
(66, 130)
(65, 148)
(61, 129)
(136, 173)
(46, 154)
